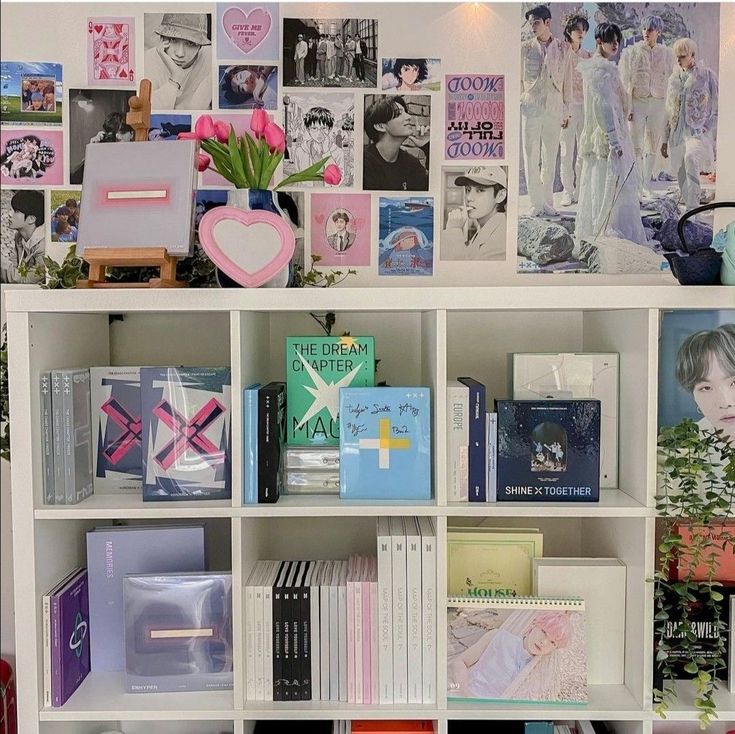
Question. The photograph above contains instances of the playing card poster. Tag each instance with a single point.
(475, 117)
(111, 51)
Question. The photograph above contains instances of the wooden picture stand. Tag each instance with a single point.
(100, 258)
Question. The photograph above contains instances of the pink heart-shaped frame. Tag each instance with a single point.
(246, 30)
(268, 264)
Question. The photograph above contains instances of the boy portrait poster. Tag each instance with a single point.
(248, 87)
(320, 125)
(518, 652)
(247, 31)
(31, 93)
(620, 140)
(697, 369)
(23, 235)
(340, 229)
(406, 230)
(411, 75)
(29, 158)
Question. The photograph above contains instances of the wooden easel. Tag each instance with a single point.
(100, 258)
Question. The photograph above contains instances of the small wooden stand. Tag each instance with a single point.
(100, 258)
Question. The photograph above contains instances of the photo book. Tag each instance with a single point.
(518, 649)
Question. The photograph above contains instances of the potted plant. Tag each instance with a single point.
(696, 494)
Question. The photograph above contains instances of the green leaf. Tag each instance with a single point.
(246, 161)
(237, 168)
(691, 667)
(254, 157)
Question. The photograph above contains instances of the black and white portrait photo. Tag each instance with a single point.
(336, 52)
(23, 243)
(396, 142)
(95, 116)
(178, 60)
(474, 200)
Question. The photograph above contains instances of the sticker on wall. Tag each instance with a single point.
(340, 229)
(178, 60)
(473, 222)
(247, 30)
(167, 127)
(95, 116)
(22, 235)
(320, 124)
(330, 52)
(396, 139)
(248, 87)
(31, 158)
(111, 52)
(411, 75)
(406, 245)
(31, 93)
(475, 117)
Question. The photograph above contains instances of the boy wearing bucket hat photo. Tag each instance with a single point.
(476, 229)
(178, 61)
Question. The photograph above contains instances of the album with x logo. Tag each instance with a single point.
(186, 433)
(385, 443)
(117, 428)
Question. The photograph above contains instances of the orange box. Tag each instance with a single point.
(391, 727)
(723, 550)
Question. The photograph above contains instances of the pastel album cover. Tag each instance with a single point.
(31, 157)
(95, 116)
(622, 138)
(500, 650)
(248, 31)
(410, 75)
(22, 235)
(697, 369)
(330, 52)
(319, 125)
(111, 52)
(30, 93)
(473, 215)
(340, 229)
(243, 87)
(406, 236)
(178, 60)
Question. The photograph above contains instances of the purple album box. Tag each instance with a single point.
(71, 604)
(114, 552)
(178, 632)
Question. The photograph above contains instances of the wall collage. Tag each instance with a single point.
(616, 108)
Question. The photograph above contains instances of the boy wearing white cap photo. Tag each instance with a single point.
(476, 230)
(180, 64)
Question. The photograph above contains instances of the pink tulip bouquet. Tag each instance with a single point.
(250, 161)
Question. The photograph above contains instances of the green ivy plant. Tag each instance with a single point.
(696, 488)
(318, 279)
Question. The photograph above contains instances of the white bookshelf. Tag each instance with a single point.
(423, 336)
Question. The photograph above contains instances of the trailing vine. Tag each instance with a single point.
(696, 490)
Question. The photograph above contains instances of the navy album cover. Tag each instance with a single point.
(548, 450)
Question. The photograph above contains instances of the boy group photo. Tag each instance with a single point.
(618, 125)
(330, 53)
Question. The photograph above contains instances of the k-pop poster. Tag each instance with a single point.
(248, 87)
(474, 200)
(333, 52)
(697, 369)
(30, 93)
(31, 158)
(411, 75)
(618, 133)
(22, 235)
(178, 60)
(247, 31)
(340, 229)
(65, 208)
(406, 226)
(95, 116)
(319, 125)
(475, 117)
(111, 52)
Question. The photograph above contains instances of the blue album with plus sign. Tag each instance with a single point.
(385, 443)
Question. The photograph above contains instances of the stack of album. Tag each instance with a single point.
(311, 470)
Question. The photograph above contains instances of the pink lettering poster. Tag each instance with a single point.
(31, 158)
(475, 117)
